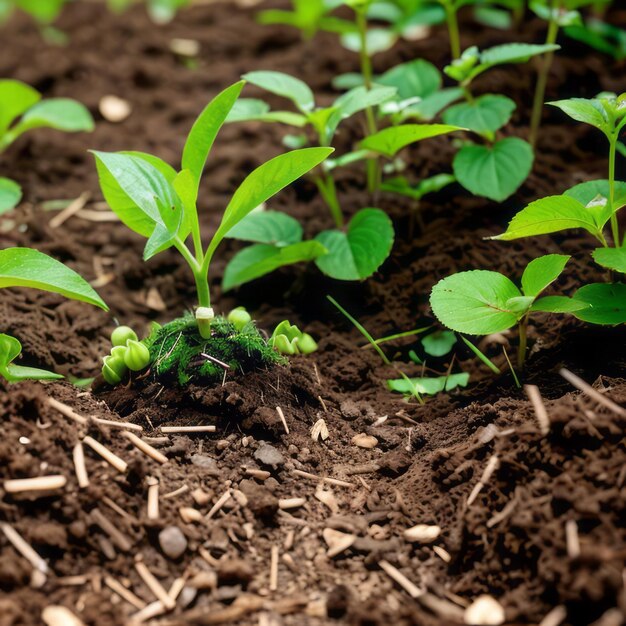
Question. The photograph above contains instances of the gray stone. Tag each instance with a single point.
(172, 541)
(269, 455)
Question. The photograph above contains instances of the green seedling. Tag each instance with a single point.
(43, 12)
(482, 302)
(23, 267)
(600, 35)
(496, 169)
(21, 110)
(159, 203)
(239, 318)
(288, 339)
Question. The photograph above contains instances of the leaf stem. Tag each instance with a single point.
(523, 341)
(326, 186)
(200, 273)
(453, 29)
(614, 223)
(542, 79)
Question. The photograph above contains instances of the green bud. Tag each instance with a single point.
(239, 317)
(122, 335)
(137, 356)
(113, 369)
(283, 345)
(204, 316)
(306, 344)
(118, 352)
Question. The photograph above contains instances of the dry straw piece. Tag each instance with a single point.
(395, 574)
(146, 448)
(23, 548)
(67, 411)
(112, 459)
(57, 615)
(187, 429)
(39, 483)
(155, 586)
(78, 454)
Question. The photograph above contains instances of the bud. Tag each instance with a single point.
(239, 317)
(113, 369)
(122, 335)
(283, 345)
(306, 344)
(137, 356)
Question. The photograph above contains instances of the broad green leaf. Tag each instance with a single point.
(184, 185)
(429, 386)
(485, 114)
(432, 105)
(252, 109)
(284, 85)
(139, 190)
(475, 302)
(261, 259)
(513, 53)
(519, 304)
(583, 110)
(541, 272)
(10, 349)
(44, 11)
(416, 78)
(16, 98)
(607, 303)
(58, 113)
(377, 40)
(550, 215)
(204, 130)
(270, 227)
(390, 141)
(439, 343)
(401, 185)
(10, 194)
(558, 304)
(591, 190)
(263, 183)
(494, 172)
(24, 267)
(359, 251)
(613, 258)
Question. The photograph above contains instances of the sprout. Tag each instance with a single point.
(122, 335)
(239, 317)
(137, 356)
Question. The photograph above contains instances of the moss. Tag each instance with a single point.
(179, 353)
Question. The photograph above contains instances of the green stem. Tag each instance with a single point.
(611, 199)
(453, 30)
(326, 186)
(544, 72)
(523, 341)
(200, 273)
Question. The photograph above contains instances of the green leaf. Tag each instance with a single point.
(583, 110)
(359, 251)
(475, 302)
(416, 78)
(16, 98)
(401, 185)
(512, 53)
(252, 109)
(481, 355)
(43, 12)
(139, 190)
(613, 258)
(607, 303)
(261, 259)
(541, 272)
(263, 183)
(24, 267)
(429, 386)
(494, 172)
(485, 114)
(10, 349)
(270, 227)
(439, 343)
(58, 113)
(204, 130)
(390, 141)
(284, 85)
(558, 304)
(432, 105)
(10, 194)
(550, 215)
(590, 191)
(377, 40)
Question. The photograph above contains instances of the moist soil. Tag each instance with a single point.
(507, 539)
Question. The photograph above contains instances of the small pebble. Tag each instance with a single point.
(484, 611)
(364, 441)
(114, 109)
(172, 541)
(422, 533)
(269, 455)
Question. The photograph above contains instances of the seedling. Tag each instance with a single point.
(43, 12)
(289, 339)
(481, 302)
(23, 267)
(160, 11)
(497, 169)
(21, 110)
(157, 202)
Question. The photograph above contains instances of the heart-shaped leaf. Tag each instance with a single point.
(429, 386)
(494, 172)
(607, 303)
(271, 227)
(58, 113)
(485, 114)
(359, 251)
(10, 349)
(416, 78)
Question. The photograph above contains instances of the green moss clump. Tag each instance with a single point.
(177, 349)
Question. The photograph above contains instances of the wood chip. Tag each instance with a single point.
(154, 300)
(185, 47)
(327, 497)
(363, 440)
(187, 429)
(580, 384)
(71, 209)
(114, 109)
(394, 573)
(257, 473)
(23, 548)
(484, 611)
(155, 586)
(67, 411)
(124, 593)
(555, 617)
(532, 391)
(78, 455)
(422, 533)
(146, 448)
(189, 515)
(112, 459)
(320, 430)
(444, 555)
(336, 541)
(39, 483)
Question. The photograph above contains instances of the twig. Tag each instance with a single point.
(187, 429)
(571, 539)
(532, 391)
(291, 503)
(580, 384)
(282, 419)
(124, 593)
(176, 492)
(78, 455)
(413, 590)
(223, 365)
(155, 586)
(67, 411)
(23, 548)
(117, 537)
(491, 466)
(219, 504)
(554, 617)
(39, 483)
(116, 424)
(324, 479)
(153, 499)
(146, 448)
(73, 207)
(274, 568)
(112, 459)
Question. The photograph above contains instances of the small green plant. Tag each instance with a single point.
(44, 12)
(160, 11)
(21, 110)
(159, 203)
(481, 302)
(24, 267)
(289, 339)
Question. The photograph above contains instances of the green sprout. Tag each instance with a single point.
(288, 339)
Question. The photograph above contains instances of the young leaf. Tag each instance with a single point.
(263, 183)
(10, 349)
(357, 253)
(550, 215)
(558, 304)
(439, 343)
(475, 302)
(205, 128)
(540, 272)
(24, 267)
(284, 85)
(416, 78)
(271, 227)
(613, 258)
(430, 106)
(16, 98)
(251, 109)
(261, 259)
(512, 53)
(401, 185)
(494, 172)
(607, 303)
(390, 141)
(589, 191)
(10, 194)
(583, 110)
(485, 114)
(58, 113)
(429, 386)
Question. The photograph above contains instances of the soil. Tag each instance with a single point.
(507, 539)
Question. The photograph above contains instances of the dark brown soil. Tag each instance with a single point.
(428, 459)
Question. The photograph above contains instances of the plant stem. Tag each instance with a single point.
(326, 186)
(366, 71)
(611, 198)
(542, 79)
(523, 341)
(200, 273)
(453, 29)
